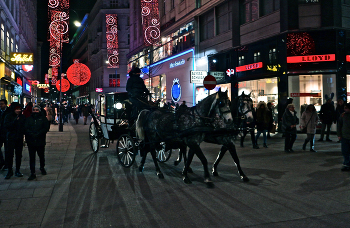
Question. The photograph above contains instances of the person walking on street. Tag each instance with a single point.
(343, 133)
(262, 122)
(309, 120)
(76, 115)
(36, 127)
(327, 117)
(49, 113)
(270, 113)
(86, 113)
(289, 123)
(339, 110)
(14, 125)
(4, 110)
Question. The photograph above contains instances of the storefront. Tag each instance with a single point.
(169, 79)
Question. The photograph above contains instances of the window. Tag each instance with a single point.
(164, 7)
(172, 4)
(241, 60)
(2, 37)
(207, 26)
(16, 48)
(12, 50)
(7, 43)
(113, 3)
(114, 80)
(250, 11)
(346, 2)
(257, 57)
(272, 56)
(269, 6)
(224, 18)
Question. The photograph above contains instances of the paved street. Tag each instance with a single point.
(82, 189)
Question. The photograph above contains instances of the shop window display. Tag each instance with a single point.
(311, 89)
(157, 86)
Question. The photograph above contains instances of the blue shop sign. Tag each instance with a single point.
(176, 90)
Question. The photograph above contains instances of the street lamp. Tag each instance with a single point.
(77, 23)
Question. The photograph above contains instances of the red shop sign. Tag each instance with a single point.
(311, 58)
(348, 58)
(305, 94)
(252, 66)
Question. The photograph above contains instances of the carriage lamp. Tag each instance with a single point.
(118, 105)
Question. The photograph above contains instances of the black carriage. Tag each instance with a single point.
(110, 122)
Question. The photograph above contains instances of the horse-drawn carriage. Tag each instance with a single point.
(159, 130)
(110, 122)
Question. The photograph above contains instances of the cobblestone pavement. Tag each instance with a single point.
(82, 189)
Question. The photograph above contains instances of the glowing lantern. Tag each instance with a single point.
(78, 73)
(65, 85)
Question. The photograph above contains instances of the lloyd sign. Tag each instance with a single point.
(197, 76)
(311, 58)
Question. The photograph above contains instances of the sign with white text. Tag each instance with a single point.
(197, 76)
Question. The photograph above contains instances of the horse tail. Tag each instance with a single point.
(140, 132)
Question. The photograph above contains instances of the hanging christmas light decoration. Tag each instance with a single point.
(54, 75)
(112, 40)
(65, 85)
(300, 44)
(78, 73)
(150, 22)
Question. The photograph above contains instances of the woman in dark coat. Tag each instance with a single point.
(289, 123)
(76, 114)
(36, 127)
(309, 119)
(262, 122)
(14, 123)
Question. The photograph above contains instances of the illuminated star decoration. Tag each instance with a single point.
(150, 22)
(112, 40)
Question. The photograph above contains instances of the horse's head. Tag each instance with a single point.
(245, 107)
(221, 106)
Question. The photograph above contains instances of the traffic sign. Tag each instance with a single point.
(209, 82)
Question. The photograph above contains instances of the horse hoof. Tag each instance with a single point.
(176, 163)
(160, 175)
(190, 170)
(209, 183)
(187, 180)
(244, 178)
(140, 169)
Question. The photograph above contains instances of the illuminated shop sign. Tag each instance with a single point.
(230, 72)
(21, 58)
(348, 58)
(99, 90)
(197, 76)
(19, 81)
(27, 87)
(252, 66)
(273, 67)
(27, 68)
(311, 58)
(305, 94)
(176, 90)
(43, 86)
(177, 63)
(18, 90)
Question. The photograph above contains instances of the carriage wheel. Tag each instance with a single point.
(94, 140)
(126, 150)
(162, 154)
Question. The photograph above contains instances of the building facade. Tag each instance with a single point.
(18, 34)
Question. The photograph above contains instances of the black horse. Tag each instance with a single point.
(187, 128)
(242, 108)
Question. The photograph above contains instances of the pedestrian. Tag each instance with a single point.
(76, 114)
(4, 110)
(327, 117)
(339, 110)
(28, 109)
(284, 108)
(343, 132)
(270, 113)
(49, 113)
(249, 127)
(262, 122)
(85, 111)
(36, 127)
(309, 120)
(289, 123)
(14, 125)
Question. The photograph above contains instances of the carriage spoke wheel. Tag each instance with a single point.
(94, 140)
(126, 150)
(163, 155)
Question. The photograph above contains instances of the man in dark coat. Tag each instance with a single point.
(136, 91)
(4, 110)
(14, 125)
(327, 117)
(289, 123)
(36, 127)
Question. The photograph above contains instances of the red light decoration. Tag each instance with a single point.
(47, 79)
(150, 22)
(78, 73)
(65, 85)
(112, 40)
(300, 44)
(27, 68)
(54, 75)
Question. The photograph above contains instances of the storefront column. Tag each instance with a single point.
(282, 94)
